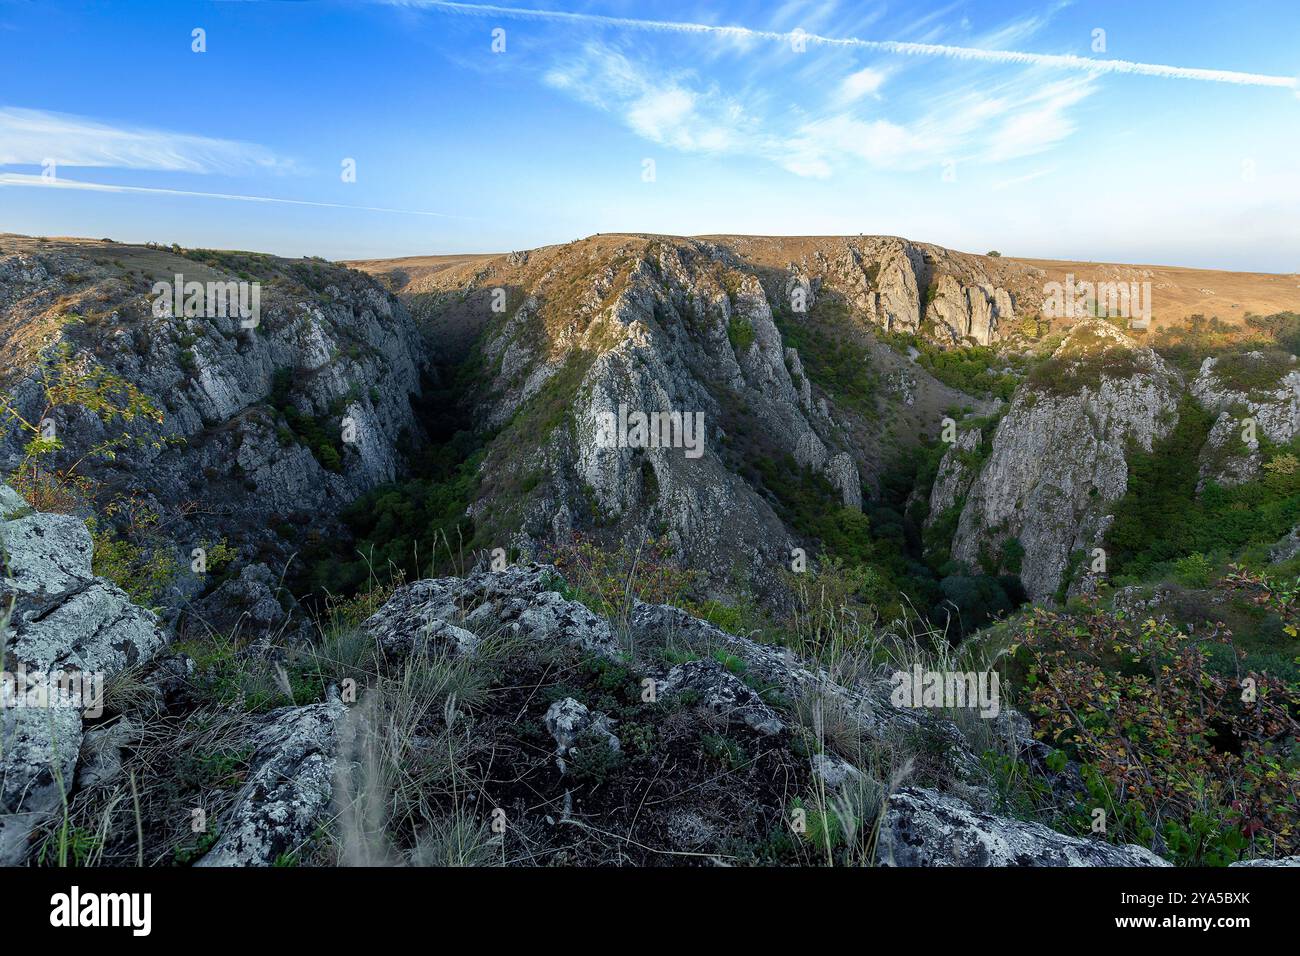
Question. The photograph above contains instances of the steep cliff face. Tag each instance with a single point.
(674, 332)
(1253, 395)
(1058, 457)
(775, 345)
(268, 426)
(902, 286)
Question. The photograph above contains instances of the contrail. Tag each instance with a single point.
(39, 182)
(1062, 61)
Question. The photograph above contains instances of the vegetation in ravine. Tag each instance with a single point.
(1176, 753)
(978, 370)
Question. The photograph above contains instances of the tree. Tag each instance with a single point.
(69, 380)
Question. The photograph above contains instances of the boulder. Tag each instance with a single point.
(289, 789)
(60, 623)
(923, 827)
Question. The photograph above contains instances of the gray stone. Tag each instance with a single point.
(926, 828)
(289, 789)
(63, 621)
(569, 720)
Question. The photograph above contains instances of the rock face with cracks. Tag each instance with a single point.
(1059, 456)
(926, 828)
(60, 620)
(289, 789)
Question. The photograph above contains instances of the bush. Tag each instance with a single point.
(1208, 761)
(740, 331)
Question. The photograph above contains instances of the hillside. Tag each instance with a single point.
(870, 455)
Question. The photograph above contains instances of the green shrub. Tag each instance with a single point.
(740, 332)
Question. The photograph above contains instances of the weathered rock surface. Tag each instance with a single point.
(922, 827)
(569, 720)
(926, 828)
(1254, 395)
(1058, 459)
(723, 693)
(953, 480)
(224, 464)
(289, 788)
(1281, 861)
(522, 601)
(61, 620)
(612, 326)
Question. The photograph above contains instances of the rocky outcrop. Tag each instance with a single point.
(1281, 861)
(289, 790)
(1059, 456)
(953, 480)
(679, 332)
(522, 601)
(969, 314)
(330, 348)
(1253, 395)
(919, 827)
(926, 828)
(66, 632)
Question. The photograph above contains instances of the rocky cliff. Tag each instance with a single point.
(777, 359)
(266, 427)
(1058, 459)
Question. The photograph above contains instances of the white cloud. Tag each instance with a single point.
(1064, 61)
(34, 181)
(30, 137)
(1041, 124)
(665, 109)
(1018, 117)
(865, 82)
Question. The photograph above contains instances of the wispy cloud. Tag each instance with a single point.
(677, 110)
(1058, 61)
(25, 180)
(31, 137)
(1021, 180)
(864, 82)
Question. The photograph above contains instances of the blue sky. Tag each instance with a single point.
(976, 125)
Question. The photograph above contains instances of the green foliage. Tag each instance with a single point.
(915, 560)
(410, 528)
(73, 380)
(1254, 371)
(1282, 328)
(740, 332)
(413, 528)
(593, 760)
(830, 353)
(608, 580)
(1162, 520)
(730, 753)
(1013, 552)
(227, 675)
(321, 435)
(189, 853)
(1194, 570)
(1209, 760)
(807, 502)
(1083, 369)
(143, 571)
(973, 369)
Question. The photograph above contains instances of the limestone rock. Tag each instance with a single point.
(925, 828)
(63, 621)
(1059, 456)
(569, 720)
(289, 788)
